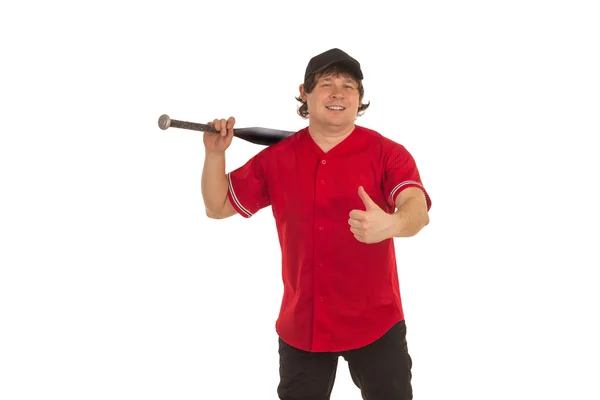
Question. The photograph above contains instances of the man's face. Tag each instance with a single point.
(334, 101)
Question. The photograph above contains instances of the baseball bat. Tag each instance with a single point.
(256, 135)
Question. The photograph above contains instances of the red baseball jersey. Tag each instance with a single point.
(338, 293)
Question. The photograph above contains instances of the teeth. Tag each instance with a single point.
(335, 108)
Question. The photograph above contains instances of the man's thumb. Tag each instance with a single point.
(369, 204)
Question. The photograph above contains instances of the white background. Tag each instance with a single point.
(115, 285)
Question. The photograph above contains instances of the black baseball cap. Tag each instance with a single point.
(325, 59)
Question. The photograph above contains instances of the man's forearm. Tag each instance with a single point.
(409, 219)
(214, 182)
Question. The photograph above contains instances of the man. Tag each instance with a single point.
(340, 193)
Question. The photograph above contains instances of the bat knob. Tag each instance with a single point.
(164, 122)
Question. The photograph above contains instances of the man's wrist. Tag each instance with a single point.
(214, 154)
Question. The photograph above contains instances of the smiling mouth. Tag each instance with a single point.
(336, 108)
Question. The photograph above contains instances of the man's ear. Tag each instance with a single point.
(302, 93)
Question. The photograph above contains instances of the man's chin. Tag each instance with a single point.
(339, 122)
(336, 119)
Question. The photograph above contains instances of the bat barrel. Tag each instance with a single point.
(261, 136)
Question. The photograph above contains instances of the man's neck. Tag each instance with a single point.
(327, 139)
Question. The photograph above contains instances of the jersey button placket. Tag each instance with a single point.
(321, 243)
(320, 198)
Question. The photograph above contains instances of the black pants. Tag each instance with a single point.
(381, 370)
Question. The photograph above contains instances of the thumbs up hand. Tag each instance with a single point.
(371, 225)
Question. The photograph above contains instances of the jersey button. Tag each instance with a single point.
(321, 228)
(323, 162)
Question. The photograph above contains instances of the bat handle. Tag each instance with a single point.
(164, 122)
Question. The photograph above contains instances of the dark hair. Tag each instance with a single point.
(311, 82)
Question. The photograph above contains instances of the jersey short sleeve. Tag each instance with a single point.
(248, 189)
(401, 172)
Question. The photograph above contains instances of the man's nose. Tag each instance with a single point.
(337, 92)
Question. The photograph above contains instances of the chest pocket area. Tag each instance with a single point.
(293, 190)
(352, 175)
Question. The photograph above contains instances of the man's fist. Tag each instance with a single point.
(371, 225)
